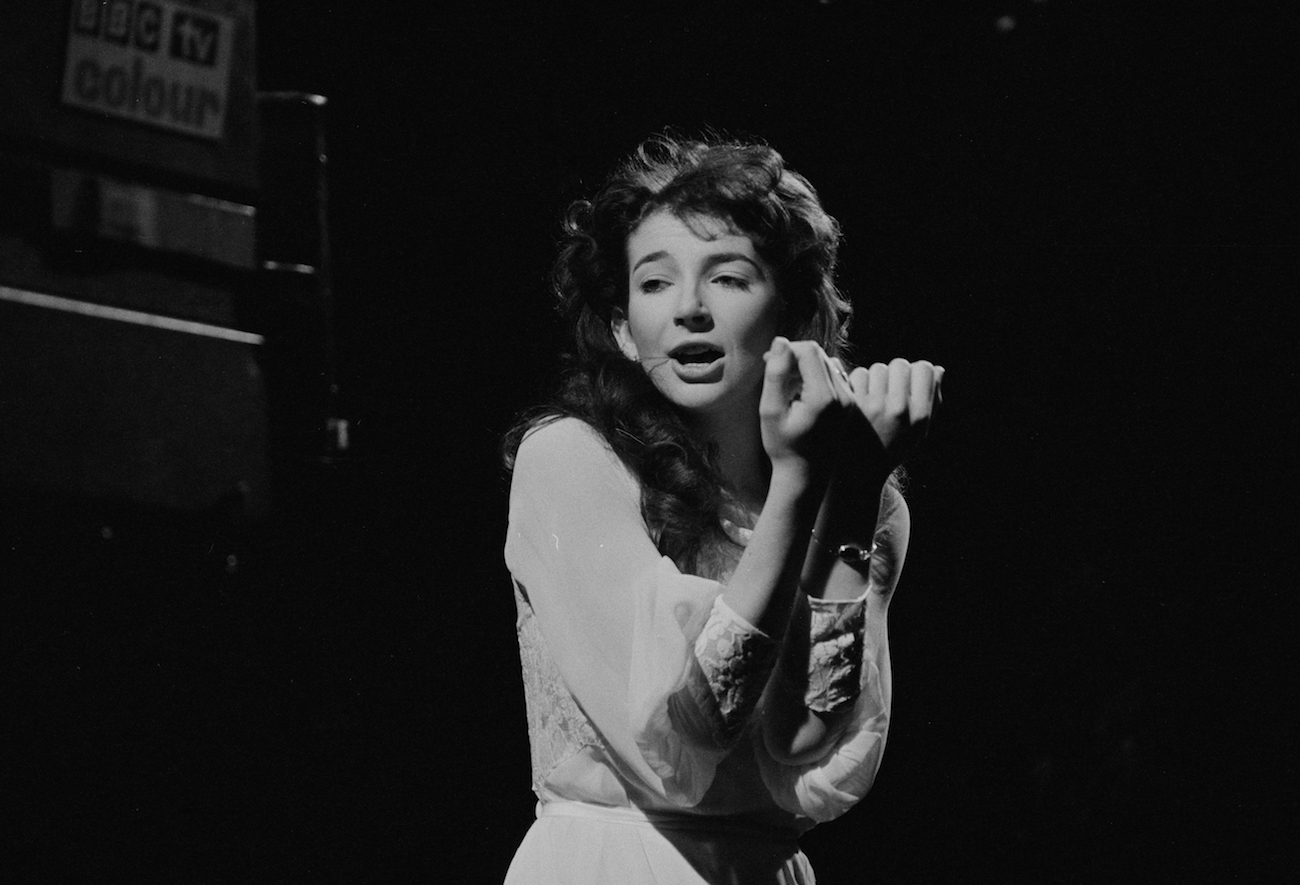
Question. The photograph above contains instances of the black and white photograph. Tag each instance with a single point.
(662, 443)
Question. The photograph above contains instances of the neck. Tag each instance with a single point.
(740, 455)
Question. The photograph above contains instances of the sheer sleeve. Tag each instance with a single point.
(847, 663)
(621, 622)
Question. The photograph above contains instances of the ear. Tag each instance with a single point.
(622, 334)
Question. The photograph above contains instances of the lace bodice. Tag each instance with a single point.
(556, 726)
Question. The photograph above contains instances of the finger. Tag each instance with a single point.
(859, 378)
(938, 385)
(921, 397)
(859, 381)
(877, 384)
(776, 376)
(900, 387)
(838, 365)
(814, 371)
(837, 368)
(840, 382)
(829, 368)
(779, 345)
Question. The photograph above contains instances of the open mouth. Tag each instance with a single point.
(696, 354)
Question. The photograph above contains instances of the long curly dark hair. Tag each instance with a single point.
(746, 184)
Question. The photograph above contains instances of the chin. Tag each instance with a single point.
(699, 403)
(692, 398)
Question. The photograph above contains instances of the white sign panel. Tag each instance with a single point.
(153, 61)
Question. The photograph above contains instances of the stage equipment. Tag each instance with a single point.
(164, 282)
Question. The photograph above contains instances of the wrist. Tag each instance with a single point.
(799, 482)
(861, 477)
(843, 536)
(855, 554)
(853, 498)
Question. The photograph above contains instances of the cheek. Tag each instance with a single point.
(764, 326)
(639, 323)
(643, 334)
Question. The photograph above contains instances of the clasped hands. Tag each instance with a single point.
(816, 415)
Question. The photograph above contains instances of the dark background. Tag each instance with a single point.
(1081, 216)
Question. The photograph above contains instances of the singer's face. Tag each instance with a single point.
(702, 309)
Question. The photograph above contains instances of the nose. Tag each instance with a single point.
(691, 310)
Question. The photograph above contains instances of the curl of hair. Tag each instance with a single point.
(744, 184)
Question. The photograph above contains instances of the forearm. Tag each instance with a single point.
(848, 516)
(802, 720)
(763, 586)
(830, 653)
(794, 732)
(737, 647)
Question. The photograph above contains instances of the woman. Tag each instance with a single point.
(704, 534)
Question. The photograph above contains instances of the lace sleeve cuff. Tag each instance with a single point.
(835, 644)
(735, 659)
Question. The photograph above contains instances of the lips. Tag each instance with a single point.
(696, 354)
(697, 362)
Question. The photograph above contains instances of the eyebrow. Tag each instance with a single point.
(653, 256)
(709, 263)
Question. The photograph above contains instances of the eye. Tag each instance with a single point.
(651, 285)
(731, 281)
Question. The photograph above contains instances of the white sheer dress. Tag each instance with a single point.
(645, 691)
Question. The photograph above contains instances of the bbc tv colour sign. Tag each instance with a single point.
(156, 62)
